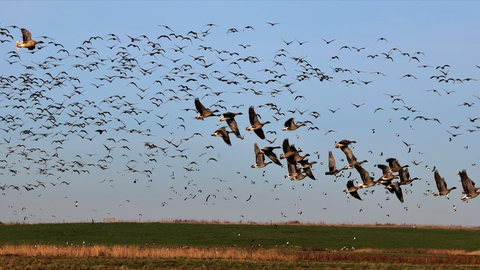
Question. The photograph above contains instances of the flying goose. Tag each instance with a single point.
(295, 173)
(230, 118)
(222, 132)
(259, 157)
(268, 151)
(332, 168)
(290, 153)
(202, 111)
(291, 125)
(351, 159)
(255, 125)
(395, 188)
(394, 165)
(307, 168)
(27, 40)
(468, 186)
(405, 177)
(441, 185)
(387, 175)
(352, 189)
(367, 180)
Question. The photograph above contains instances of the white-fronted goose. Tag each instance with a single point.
(367, 180)
(259, 157)
(387, 175)
(255, 125)
(290, 153)
(294, 173)
(202, 111)
(332, 167)
(222, 132)
(352, 190)
(405, 177)
(395, 188)
(307, 168)
(441, 185)
(268, 151)
(351, 159)
(394, 165)
(230, 118)
(468, 186)
(291, 125)
(27, 40)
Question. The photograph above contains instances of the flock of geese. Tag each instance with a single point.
(71, 97)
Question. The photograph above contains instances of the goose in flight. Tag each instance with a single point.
(332, 167)
(387, 175)
(352, 190)
(27, 40)
(295, 173)
(394, 165)
(202, 111)
(367, 180)
(290, 124)
(230, 118)
(351, 159)
(441, 185)
(395, 188)
(259, 157)
(222, 132)
(255, 125)
(405, 177)
(307, 168)
(268, 151)
(468, 186)
(291, 153)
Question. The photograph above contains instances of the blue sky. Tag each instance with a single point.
(437, 33)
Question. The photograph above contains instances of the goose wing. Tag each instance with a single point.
(252, 116)
(26, 35)
(259, 157)
(199, 106)
(441, 184)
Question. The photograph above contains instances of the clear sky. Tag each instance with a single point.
(373, 72)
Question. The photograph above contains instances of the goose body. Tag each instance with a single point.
(259, 157)
(255, 124)
(367, 180)
(202, 111)
(290, 124)
(441, 185)
(222, 132)
(27, 40)
(230, 118)
(268, 151)
(395, 188)
(352, 190)
(332, 167)
(468, 186)
(387, 175)
(344, 146)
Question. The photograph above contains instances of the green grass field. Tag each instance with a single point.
(235, 246)
(226, 235)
